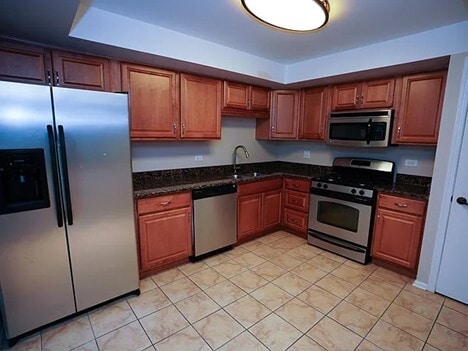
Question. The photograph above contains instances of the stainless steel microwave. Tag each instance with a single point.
(360, 128)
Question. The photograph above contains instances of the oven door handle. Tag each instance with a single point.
(368, 132)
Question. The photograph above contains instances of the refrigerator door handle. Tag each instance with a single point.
(55, 175)
(66, 182)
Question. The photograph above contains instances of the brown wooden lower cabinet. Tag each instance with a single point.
(165, 230)
(272, 209)
(258, 207)
(249, 215)
(398, 232)
(296, 205)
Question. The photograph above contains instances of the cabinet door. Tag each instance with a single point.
(397, 238)
(418, 116)
(236, 95)
(259, 98)
(271, 209)
(154, 102)
(377, 93)
(200, 107)
(249, 215)
(165, 237)
(284, 114)
(314, 113)
(21, 63)
(81, 71)
(346, 96)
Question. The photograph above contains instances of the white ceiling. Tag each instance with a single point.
(352, 24)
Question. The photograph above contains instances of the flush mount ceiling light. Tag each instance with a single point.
(292, 15)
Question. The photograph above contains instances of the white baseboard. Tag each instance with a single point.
(420, 285)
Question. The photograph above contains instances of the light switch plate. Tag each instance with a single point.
(306, 154)
(199, 158)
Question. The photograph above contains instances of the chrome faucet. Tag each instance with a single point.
(247, 155)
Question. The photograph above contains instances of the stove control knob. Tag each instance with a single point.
(319, 185)
(325, 186)
(361, 192)
(353, 191)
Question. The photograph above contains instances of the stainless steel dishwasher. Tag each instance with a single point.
(214, 219)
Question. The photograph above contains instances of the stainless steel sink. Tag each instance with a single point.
(246, 175)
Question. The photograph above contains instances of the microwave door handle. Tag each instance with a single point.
(368, 134)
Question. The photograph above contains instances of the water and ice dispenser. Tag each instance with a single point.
(23, 180)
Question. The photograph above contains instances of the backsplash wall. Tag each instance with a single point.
(149, 156)
(323, 155)
(161, 155)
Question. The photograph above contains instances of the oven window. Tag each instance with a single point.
(338, 215)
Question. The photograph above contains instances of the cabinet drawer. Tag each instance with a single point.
(295, 220)
(402, 204)
(163, 203)
(260, 186)
(297, 184)
(296, 201)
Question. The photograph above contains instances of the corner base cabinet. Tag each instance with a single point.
(398, 231)
(165, 230)
(258, 207)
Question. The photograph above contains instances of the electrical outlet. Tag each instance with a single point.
(199, 158)
(411, 163)
(306, 154)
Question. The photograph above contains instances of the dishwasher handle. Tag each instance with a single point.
(211, 191)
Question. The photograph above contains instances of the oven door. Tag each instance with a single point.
(342, 219)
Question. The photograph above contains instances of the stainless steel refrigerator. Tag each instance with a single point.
(67, 234)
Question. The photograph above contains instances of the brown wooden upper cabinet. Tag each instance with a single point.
(83, 72)
(154, 102)
(31, 64)
(417, 118)
(364, 95)
(284, 115)
(165, 105)
(23, 63)
(245, 100)
(315, 108)
(296, 114)
(200, 107)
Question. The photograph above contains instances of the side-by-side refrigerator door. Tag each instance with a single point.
(94, 153)
(35, 279)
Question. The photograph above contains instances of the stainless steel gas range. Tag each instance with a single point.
(342, 205)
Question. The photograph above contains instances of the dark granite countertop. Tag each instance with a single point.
(415, 187)
(147, 184)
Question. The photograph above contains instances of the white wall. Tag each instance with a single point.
(438, 42)
(439, 200)
(322, 154)
(180, 154)
(148, 156)
(96, 25)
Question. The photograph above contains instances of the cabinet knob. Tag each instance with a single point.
(399, 130)
(174, 125)
(462, 201)
(57, 80)
(164, 203)
(400, 205)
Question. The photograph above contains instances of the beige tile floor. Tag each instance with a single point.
(274, 293)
